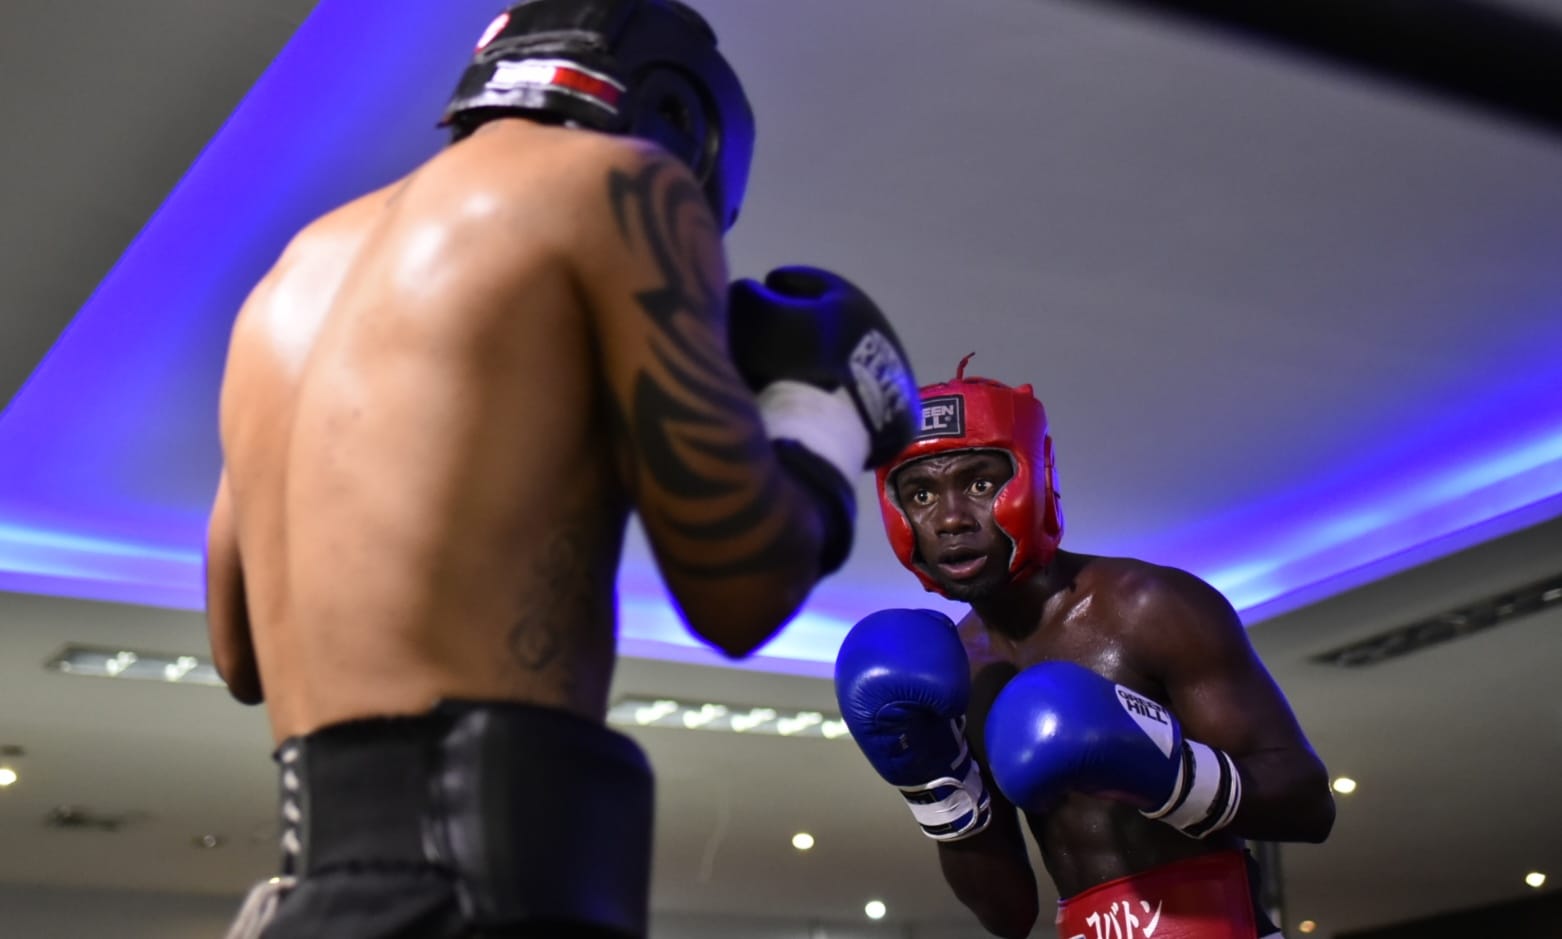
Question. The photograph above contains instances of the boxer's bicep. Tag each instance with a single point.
(1224, 697)
(729, 531)
(227, 611)
(1219, 688)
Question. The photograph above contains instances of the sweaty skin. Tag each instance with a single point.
(1157, 630)
(440, 407)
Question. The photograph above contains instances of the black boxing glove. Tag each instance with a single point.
(832, 382)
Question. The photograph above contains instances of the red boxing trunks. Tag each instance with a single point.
(1207, 897)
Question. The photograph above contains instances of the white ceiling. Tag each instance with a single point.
(1238, 282)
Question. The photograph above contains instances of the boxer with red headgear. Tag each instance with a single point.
(979, 414)
(441, 406)
(1117, 704)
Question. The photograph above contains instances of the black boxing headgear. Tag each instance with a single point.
(641, 68)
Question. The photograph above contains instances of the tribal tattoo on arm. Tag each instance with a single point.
(704, 475)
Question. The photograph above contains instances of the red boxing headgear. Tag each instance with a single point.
(982, 414)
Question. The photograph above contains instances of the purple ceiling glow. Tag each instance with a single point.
(108, 456)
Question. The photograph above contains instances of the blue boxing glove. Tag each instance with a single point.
(1059, 727)
(831, 382)
(902, 680)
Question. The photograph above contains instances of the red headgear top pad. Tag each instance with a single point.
(982, 414)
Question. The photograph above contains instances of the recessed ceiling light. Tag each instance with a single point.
(80, 817)
(101, 662)
(1535, 879)
(208, 841)
(802, 841)
(7, 776)
(1306, 925)
(875, 909)
(1344, 785)
(731, 718)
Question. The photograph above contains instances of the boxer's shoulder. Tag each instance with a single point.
(1125, 617)
(1130, 589)
(341, 229)
(519, 161)
(310, 264)
(591, 200)
(1157, 613)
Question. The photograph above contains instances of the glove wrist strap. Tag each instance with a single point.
(952, 807)
(1207, 793)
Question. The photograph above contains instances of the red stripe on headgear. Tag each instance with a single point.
(586, 84)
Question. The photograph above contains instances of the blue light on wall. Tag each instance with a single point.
(111, 445)
(1393, 525)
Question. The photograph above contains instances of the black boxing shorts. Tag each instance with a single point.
(478, 819)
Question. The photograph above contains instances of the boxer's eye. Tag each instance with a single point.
(981, 487)
(921, 497)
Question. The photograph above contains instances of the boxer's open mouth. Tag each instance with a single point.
(962, 563)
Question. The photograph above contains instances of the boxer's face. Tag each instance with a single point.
(948, 500)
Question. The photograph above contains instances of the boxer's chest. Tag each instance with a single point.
(1097, 642)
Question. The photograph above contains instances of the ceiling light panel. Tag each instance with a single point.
(727, 718)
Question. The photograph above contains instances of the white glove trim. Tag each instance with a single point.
(826, 422)
(967, 798)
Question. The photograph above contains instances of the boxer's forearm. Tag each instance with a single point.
(990, 873)
(1285, 797)
(739, 598)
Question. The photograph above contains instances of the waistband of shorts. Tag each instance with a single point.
(368, 791)
(1208, 895)
(534, 813)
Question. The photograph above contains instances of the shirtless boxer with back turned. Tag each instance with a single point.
(1117, 703)
(439, 409)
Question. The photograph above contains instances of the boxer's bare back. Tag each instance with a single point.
(440, 407)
